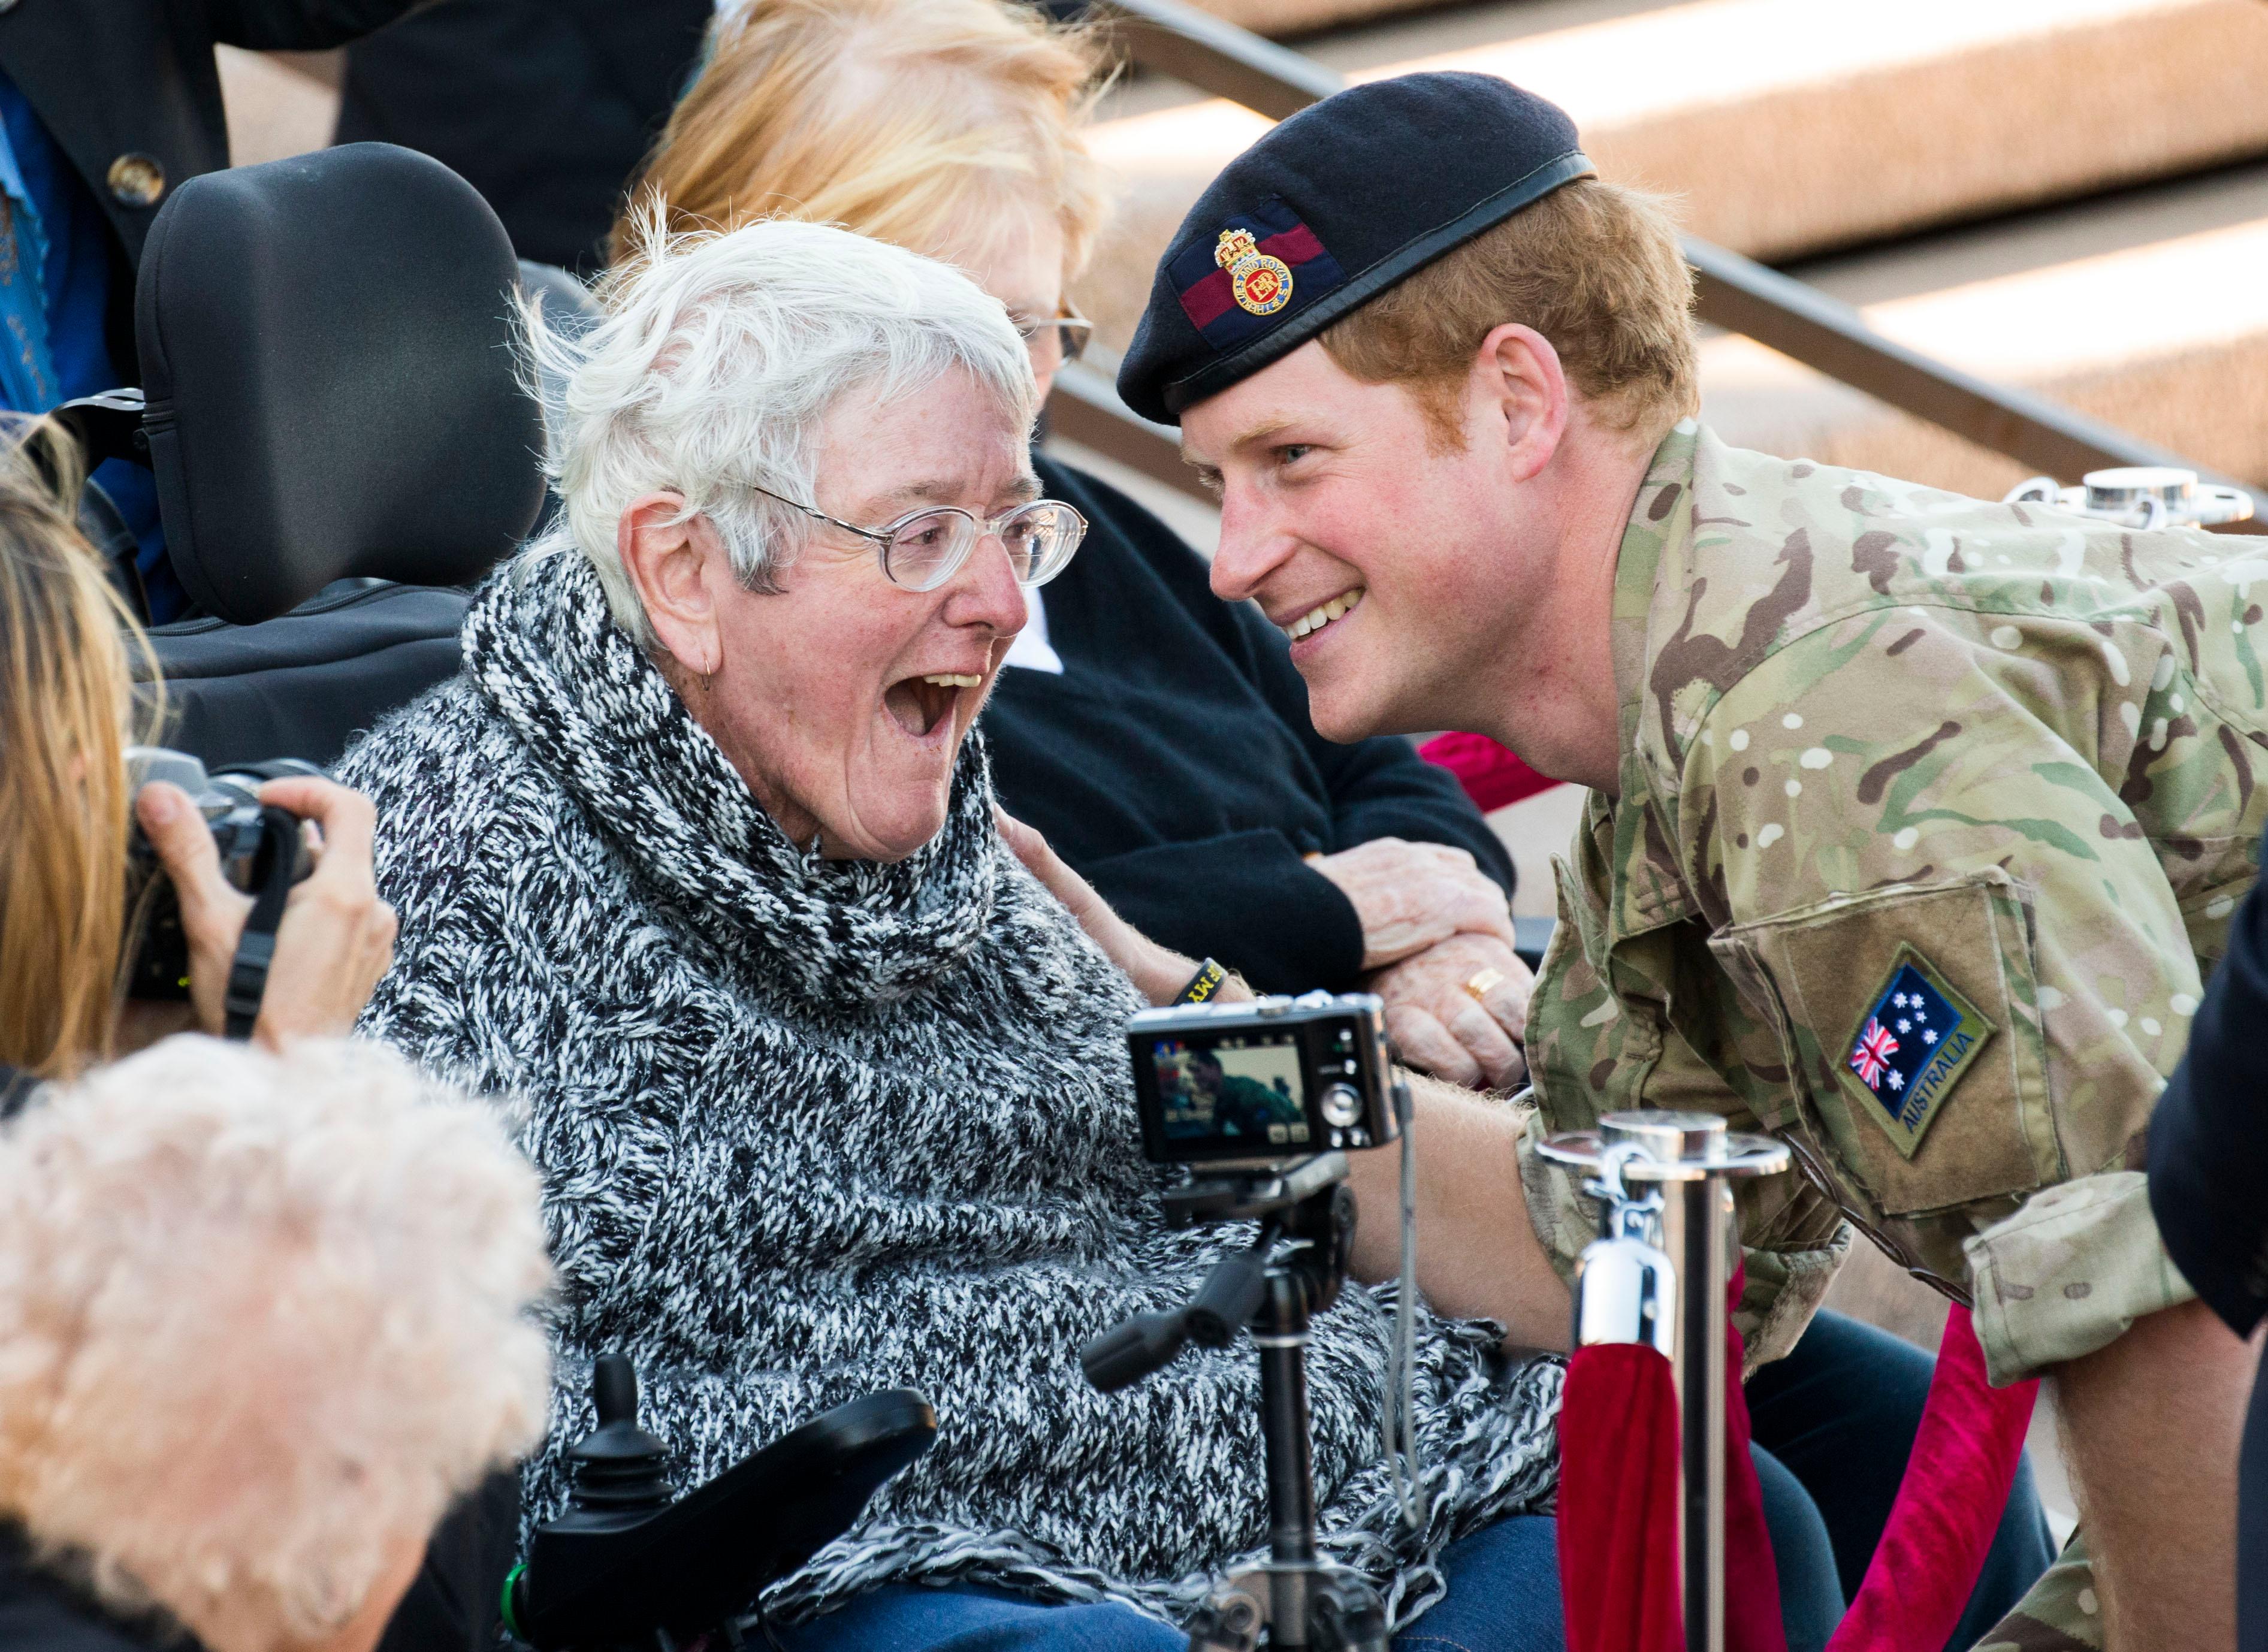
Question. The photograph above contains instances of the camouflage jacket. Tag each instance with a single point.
(1932, 814)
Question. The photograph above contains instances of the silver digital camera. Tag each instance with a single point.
(1267, 1080)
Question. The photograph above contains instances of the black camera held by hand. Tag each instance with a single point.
(263, 852)
(1268, 1079)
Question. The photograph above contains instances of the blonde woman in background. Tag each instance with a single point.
(261, 1318)
(1157, 737)
(1160, 738)
(66, 705)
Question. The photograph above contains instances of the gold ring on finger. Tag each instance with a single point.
(1484, 983)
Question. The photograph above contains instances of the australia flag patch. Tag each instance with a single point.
(1912, 1047)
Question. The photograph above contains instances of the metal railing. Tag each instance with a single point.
(1084, 407)
(1739, 294)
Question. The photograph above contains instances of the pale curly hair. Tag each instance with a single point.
(261, 1318)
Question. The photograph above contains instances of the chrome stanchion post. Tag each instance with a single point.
(1665, 1198)
(1695, 1214)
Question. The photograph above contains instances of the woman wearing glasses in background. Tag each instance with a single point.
(1158, 737)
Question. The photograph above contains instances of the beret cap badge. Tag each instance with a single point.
(1259, 284)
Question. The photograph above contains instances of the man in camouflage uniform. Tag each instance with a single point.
(1930, 814)
(1914, 822)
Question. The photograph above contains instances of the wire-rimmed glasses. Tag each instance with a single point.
(924, 548)
(1072, 332)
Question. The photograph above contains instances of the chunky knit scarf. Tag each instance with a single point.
(809, 1129)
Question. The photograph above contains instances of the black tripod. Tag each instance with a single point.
(1294, 1599)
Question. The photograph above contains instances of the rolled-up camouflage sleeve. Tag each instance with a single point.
(1916, 827)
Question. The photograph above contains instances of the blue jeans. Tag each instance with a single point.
(1810, 1595)
(1503, 1597)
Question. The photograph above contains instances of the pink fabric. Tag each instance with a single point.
(1493, 775)
(1949, 1506)
(1618, 1502)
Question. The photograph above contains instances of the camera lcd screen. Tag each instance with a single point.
(1241, 1091)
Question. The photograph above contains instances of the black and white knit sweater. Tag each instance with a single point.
(810, 1129)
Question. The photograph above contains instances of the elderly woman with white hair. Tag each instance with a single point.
(261, 1318)
(826, 1085)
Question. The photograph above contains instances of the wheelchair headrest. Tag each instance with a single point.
(325, 343)
(568, 306)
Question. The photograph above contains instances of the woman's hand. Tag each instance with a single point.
(1410, 896)
(1440, 1026)
(336, 938)
(1159, 973)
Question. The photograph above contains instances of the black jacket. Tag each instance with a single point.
(451, 1606)
(547, 105)
(40, 1612)
(119, 83)
(2209, 1134)
(1173, 762)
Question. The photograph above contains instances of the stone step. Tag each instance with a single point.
(1787, 126)
(2147, 310)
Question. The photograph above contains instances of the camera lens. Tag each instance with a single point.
(1341, 1106)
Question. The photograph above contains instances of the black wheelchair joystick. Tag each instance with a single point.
(1295, 1599)
(632, 1566)
(614, 1473)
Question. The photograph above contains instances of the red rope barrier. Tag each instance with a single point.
(1618, 1554)
(1618, 1502)
(1949, 1507)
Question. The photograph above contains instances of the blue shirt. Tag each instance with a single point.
(55, 302)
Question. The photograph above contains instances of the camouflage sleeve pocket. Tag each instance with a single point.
(1909, 1017)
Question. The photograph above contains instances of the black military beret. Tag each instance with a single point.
(1328, 210)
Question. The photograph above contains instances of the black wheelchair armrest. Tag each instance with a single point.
(599, 1579)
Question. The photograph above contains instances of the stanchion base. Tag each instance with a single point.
(1291, 1608)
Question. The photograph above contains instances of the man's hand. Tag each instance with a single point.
(336, 938)
(1440, 1027)
(1410, 896)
